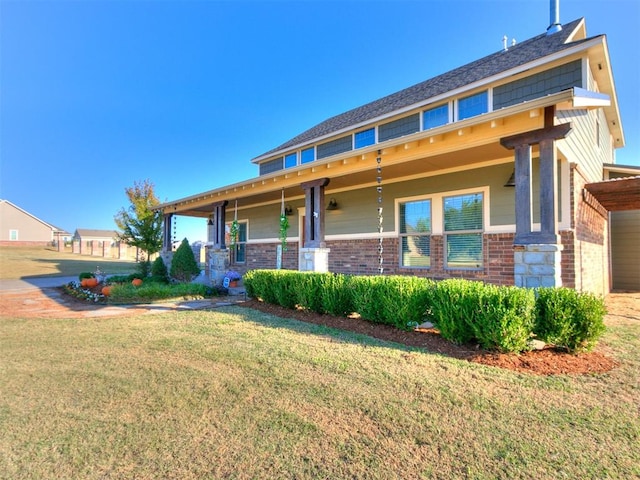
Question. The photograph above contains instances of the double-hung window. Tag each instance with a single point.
(463, 227)
(415, 234)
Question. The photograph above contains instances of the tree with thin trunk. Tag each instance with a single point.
(140, 225)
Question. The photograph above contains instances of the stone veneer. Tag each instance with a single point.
(537, 265)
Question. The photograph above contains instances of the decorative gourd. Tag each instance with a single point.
(136, 282)
(106, 291)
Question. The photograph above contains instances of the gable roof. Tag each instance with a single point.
(494, 64)
(53, 228)
(89, 233)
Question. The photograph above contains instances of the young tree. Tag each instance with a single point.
(140, 225)
(183, 265)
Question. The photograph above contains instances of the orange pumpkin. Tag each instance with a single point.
(106, 291)
(83, 282)
(136, 282)
(92, 282)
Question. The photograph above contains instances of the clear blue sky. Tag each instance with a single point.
(96, 95)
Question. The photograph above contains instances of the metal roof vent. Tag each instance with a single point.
(555, 26)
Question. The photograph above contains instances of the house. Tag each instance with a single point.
(494, 171)
(19, 227)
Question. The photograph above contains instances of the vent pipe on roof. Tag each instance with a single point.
(554, 17)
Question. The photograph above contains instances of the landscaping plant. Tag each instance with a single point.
(183, 265)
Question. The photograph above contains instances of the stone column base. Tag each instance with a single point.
(314, 259)
(537, 265)
(217, 264)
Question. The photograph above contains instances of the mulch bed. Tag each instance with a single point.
(549, 361)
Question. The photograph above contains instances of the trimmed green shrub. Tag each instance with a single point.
(159, 270)
(454, 306)
(309, 290)
(284, 287)
(505, 319)
(367, 291)
(569, 319)
(183, 264)
(336, 294)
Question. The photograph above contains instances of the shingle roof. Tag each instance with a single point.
(520, 54)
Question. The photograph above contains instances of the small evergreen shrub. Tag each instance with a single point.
(505, 318)
(143, 268)
(183, 265)
(284, 287)
(367, 291)
(454, 306)
(309, 291)
(336, 295)
(569, 319)
(159, 270)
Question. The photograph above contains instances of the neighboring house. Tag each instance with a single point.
(91, 242)
(487, 172)
(19, 227)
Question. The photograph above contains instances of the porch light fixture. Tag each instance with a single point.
(210, 222)
(512, 180)
(333, 205)
(288, 211)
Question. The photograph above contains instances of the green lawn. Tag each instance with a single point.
(25, 262)
(238, 394)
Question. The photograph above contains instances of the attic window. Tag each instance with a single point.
(365, 138)
(307, 155)
(473, 105)
(435, 117)
(291, 160)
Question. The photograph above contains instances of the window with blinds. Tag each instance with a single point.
(415, 234)
(463, 226)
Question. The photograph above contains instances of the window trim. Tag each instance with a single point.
(406, 235)
(437, 218)
(481, 231)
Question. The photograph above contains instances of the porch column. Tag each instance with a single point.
(314, 256)
(219, 218)
(217, 255)
(537, 257)
(166, 233)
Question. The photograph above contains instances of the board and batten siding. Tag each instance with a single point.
(625, 250)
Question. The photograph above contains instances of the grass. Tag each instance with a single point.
(239, 394)
(25, 262)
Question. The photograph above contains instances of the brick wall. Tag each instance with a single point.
(590, 242)
(360, 257)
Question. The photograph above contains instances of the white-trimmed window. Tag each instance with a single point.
(463, 227)
(473, 105)
(415, 233)
(13, 235)
(435, 117)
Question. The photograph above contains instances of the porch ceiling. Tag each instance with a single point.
(617, 194)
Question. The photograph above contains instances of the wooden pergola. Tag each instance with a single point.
(617, 194)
